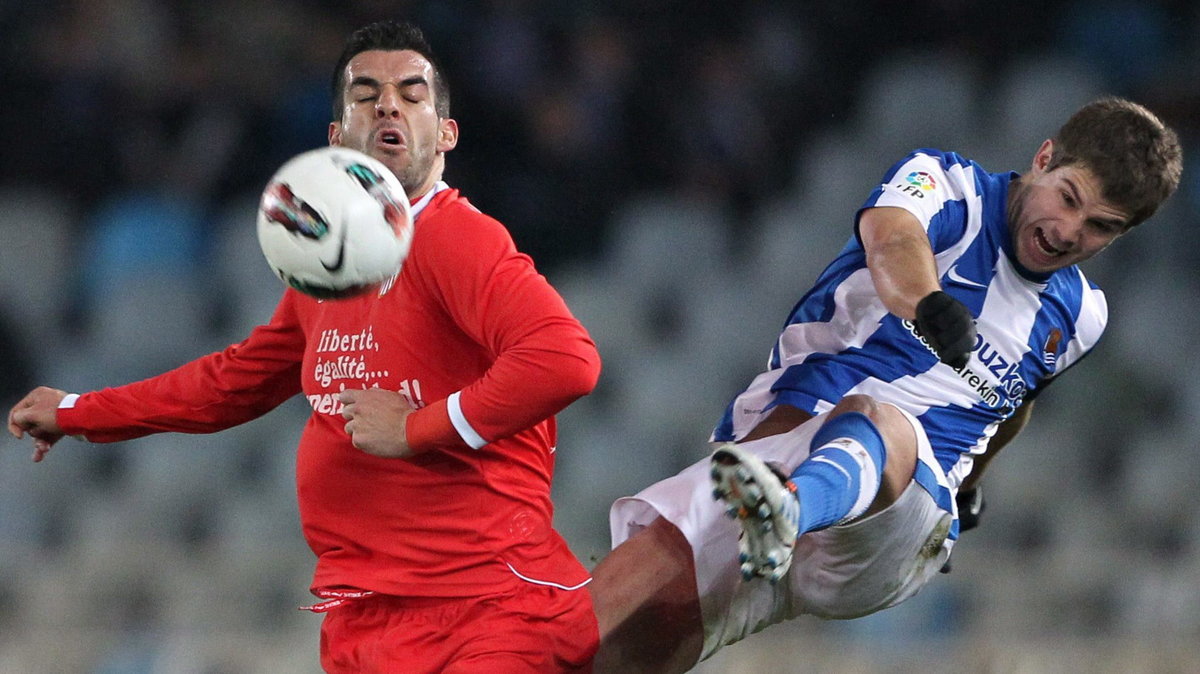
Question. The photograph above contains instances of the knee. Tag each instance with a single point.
(897, 433)
(887, 418)
(863, 404)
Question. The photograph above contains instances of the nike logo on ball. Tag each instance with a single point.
(341, 256)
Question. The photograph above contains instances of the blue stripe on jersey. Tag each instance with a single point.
(967, 279)
(948, 226)
(1062, 303)
(835, 374)
(924, 476)
(724, 429)
(818, 304)
(949, 427)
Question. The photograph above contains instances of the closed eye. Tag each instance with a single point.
(1105, 227)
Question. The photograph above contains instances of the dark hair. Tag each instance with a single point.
(389, 36)
(1135, 156)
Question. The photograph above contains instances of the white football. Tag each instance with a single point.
(334, 222)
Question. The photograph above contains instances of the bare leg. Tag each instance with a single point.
(646, 604)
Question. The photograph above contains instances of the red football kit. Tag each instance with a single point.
(473, 337)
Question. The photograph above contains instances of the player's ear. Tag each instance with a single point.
(447, 134)
(1044, 154)
(335, 133)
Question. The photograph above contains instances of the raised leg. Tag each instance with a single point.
(862, 459)
(644, 593)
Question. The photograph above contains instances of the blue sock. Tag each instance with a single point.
(840, 478)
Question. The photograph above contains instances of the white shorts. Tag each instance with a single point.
(844, 571)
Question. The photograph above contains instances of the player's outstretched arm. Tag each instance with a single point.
(37, 415)
(900, 259)
(905, 275)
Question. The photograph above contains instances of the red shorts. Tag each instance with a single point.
(532, 629)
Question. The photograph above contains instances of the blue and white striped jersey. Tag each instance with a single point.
(840, 339)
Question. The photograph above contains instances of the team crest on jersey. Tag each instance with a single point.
(922, 180)
(1050, 353)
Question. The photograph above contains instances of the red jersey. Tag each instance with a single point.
(477, 340)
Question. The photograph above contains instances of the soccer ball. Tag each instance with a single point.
(334, 222)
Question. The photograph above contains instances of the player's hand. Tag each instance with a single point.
(970, 508)
(37, 415)
(948, 326)
(375, 420)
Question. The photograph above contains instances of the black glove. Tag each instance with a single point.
(948, 326)
(970, 509)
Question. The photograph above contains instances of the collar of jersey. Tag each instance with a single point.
(419, 205)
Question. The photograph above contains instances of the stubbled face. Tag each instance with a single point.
(388, 112)
(1059, 218)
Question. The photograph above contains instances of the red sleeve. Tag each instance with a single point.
(209, 394)
(545, 359)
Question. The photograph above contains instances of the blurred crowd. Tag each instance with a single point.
(130, 113)
(565, 106)
(679, 169)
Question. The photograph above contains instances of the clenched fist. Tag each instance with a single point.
(948, 326)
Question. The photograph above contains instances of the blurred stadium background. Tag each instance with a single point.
(681, 171)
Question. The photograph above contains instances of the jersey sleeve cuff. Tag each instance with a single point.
(465, 431)
(434, 426)
(69, 416)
